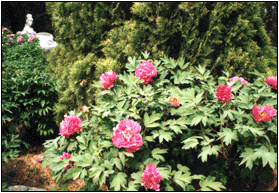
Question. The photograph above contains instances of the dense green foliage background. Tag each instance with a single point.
(220, 36)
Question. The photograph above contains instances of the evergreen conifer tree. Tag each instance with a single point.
(77, 60)
(221, 36)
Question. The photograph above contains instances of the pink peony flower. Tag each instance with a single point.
(223, 93)
(127, 134)
(30, 40)
(61, 157)
(67, 166)
(19, 40)
(174, 101)
(68, 156)
(70, 125)
(33, 36)
(84, 109)
(242, 80)
(272, 81)
(19, 33)
(4, 29)
(107, 79)
(263, 114)
(151, 177)
(39, 159)
(145, 71)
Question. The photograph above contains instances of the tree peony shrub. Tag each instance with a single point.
(70, 125)
(175, 141)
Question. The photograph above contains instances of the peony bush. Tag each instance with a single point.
(158, 120)
(28, 94)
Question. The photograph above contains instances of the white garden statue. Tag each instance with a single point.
(46, 39)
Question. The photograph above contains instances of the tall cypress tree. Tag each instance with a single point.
(78, 58)
(222, 36)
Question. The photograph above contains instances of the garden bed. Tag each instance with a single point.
(25, 170)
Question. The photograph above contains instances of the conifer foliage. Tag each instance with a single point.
(97, 37)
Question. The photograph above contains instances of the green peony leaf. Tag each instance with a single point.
(137, 176)
(117, 163)
(267, 157)
(163, 135)
(248, 157)
(118, 181)
(73, 173)
(196, 120)
(190, 143)
(208, 184)
(164, 172)
(106, 144)
(208, 150)
(156, 154)
(169, 189)
(255, 131)
(228, 135)
(132, 186)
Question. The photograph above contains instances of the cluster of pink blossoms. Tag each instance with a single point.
(263, 114)
(107, 79)
(70, 125)
(68, 156)
(145, 71)
(242, 80)
(272, 81)
(223, 93)
(32, 37)
(127, 134)
(174, 101)
(151, 177)
(19, 39)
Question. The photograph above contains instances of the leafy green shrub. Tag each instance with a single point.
(28, 92)
(201, 129)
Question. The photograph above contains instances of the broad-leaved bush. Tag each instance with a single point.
(28, 92)
(147, 136)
